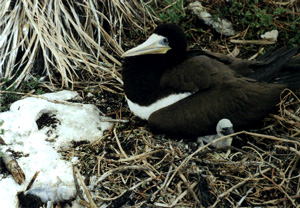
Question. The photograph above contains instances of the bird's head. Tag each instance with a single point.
(224, 127)
(167, 39)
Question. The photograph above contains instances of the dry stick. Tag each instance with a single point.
(32, 180)
(140, 156)
(258, 42)
(162, 160)
(149, 172)
(270, 137)
(13, 167)
(263, 202)
(141, 183)
(41, 97)
(157, 204)
(115, 120)
(255, 55)
(297, 118)
(111, 40)
(284, 199)
(122, 168)
(86, 191)
(238, 185)
(188, 186)
(113, 198)
(119, 144)
(99, 159)
(183, 194)
(130, 189)
(294, 162)
(244, 197)
(84, 203)
(78, 192)
(288, 148)
(280, 119)
(162, 187)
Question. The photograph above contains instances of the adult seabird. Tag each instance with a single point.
(185, 93)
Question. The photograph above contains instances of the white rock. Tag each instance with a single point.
(222, 26)
(75, 122)
(271, 35)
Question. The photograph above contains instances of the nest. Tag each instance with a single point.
(131, 167)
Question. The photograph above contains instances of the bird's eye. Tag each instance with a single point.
(165, 41)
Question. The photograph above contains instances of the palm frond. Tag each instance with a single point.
(76, 40)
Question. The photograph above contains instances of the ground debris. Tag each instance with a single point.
(13, 167)
(222, 26)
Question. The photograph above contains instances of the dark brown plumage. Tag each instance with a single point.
(219, 86)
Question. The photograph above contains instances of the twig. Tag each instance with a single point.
(183, 194)
(78, 192)
(114, 120)
(189, 187)
(285, 199)
(140, 155)
(244, 197)
(119, 169)
(13, 167)
(86, 191)
(130, 189)
(297, 152)
(257, 54)
(162, 187)
(84, 203)
(297, 118)
(32, 180)
(119, 144)
(238, 185)
(256, 42)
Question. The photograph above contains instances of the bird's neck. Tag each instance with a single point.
(141, 76)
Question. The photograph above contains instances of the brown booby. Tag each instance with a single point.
(185, 93)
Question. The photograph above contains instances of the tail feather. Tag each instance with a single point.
(275, 66)
(290, 73)
(292, 64)
(275, 63)
(291, 78)
(271, 55)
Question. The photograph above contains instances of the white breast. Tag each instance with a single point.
(145, 111)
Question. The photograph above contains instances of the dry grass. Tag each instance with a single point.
(75, 40)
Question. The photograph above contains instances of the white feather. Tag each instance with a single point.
(145, 111)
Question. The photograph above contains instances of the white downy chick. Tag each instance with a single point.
(224, 128)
